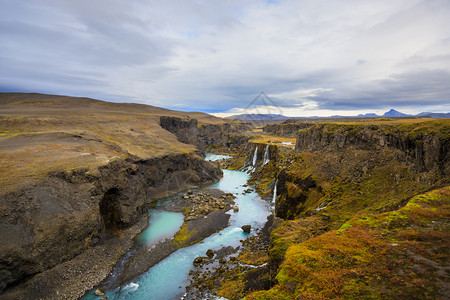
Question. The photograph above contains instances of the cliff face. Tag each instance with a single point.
(189, 131)
(336, 160)
(264, 154)
(186, 130)
(424, 151)
(68, 212)
(286, 129)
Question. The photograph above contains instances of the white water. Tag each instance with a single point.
(274, 199)
(168, 279)
(255, 157)
(266, 156)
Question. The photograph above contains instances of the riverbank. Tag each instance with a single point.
(248, 262)
(168, 278)
(205, 213)
(71, 279)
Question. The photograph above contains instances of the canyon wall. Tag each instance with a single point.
(189, 131)
(67, 212)
(423, 150)
(286, 129)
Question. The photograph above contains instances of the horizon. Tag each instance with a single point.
(312, 59)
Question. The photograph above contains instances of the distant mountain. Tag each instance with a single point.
(394, 113)
(389, 114)
(369, 115)
(434, 115)
(258, 117)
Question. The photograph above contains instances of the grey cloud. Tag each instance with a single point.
(218, 55)
(425, 87)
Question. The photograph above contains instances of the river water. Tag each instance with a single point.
(168, 278)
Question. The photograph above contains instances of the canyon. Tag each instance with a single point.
(360, 206)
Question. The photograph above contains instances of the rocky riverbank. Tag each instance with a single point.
(215, 272)
(205, 213)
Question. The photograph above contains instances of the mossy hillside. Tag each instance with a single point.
(233, 287)
(395, 255)
(292, 232)
(327, 188)
(355, 181)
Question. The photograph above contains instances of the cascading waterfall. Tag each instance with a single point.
(255, 157)
(275, 191)
(266, 156)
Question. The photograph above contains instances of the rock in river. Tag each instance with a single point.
(247, 228)
(210, 253)
(198, 261)
(99, 292)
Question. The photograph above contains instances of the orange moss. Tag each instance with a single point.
(399, 254)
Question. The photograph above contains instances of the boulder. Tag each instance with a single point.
(236, 208)
(99, 292)
(247, 228)
(198, 261)
(210, 253)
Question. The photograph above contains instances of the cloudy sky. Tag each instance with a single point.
(310, 57)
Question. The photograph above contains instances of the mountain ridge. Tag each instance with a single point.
(392, 113)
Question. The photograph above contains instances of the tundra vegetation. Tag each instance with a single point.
(362, 209)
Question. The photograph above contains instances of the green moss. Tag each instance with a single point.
(232, 289)
(345, 225)
(371, 256)
(274, 293)
(182, 236)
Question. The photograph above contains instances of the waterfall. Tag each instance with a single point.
(275, 191)
(255, 157)
(266, 156)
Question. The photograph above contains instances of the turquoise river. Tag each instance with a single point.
(168, 278)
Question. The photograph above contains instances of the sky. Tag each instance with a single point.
(311, 58)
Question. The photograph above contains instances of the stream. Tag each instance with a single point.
(168, 278)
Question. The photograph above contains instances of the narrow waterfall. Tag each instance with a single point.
(275, 191)
(255, 157)
(266, 156)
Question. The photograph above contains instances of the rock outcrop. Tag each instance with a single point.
(264, 154)
(189, 131)
(424, 149)
(67, 212)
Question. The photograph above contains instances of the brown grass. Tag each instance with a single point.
(42, 133)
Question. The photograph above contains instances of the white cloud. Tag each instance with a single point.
(309, 56)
